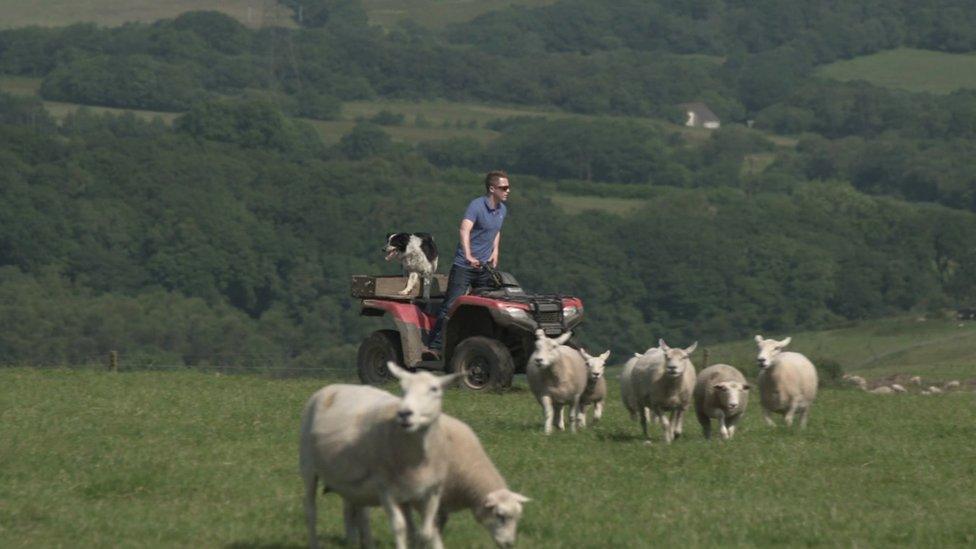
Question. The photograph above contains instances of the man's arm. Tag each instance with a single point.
(494, 252)
(465, 231)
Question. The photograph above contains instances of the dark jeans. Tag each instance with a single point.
(458, 282)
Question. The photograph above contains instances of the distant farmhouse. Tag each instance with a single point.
(700, 116)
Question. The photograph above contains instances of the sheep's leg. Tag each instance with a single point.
(349, 520)
(679, 423)
(581, 414)
(574, 417)
(398, 520)
(804, 414)
(411, 283)
(311, 486)
(561, 421)
(442, 517)
(768, 418)
(597, 412)
(429, 534)
(644, 420)
(724, 424)
(665, 426)
(788, 417)
(706, 424)
(547, 414)
(365, 534)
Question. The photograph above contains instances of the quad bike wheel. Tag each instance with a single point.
(374, 352)
(483, 363)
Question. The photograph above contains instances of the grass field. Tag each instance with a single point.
(189, 459)
(909, 69)
(437, 13)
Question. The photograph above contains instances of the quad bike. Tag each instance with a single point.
(489, 333)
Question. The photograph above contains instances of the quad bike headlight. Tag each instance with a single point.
(571, 312)
(518, 313)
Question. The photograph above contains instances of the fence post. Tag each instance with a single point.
(113, 361)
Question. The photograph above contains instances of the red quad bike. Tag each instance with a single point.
(489, 334)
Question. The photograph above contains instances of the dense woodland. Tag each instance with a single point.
(229, 236)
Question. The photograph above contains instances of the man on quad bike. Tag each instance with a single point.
(480, 233)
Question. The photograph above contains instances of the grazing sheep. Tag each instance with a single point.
(473, 482)
(721, 392)
(954, 384)
(916, 380)
(787, 381)
(664, 386)
(859, 381)
(898, 388)
(883, 390)
(596, 386)
(372, 447)
(933, 390)
(636, 367)
(557, 377)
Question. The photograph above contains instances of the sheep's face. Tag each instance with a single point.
(422, 395)
(676, 360)
(768, 349)
(731, 394)
(547, 349)
(595, 365)
(500, 513)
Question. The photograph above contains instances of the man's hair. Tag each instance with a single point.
(492, 178)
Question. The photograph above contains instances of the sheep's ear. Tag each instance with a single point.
(397, 371)
(564, 338)
(539, 333)
(585, 354)
(605, 355)
(746, 386)
(448, 380)
(663, 345)
(637, 355)
(759, 339)
(691, 349)
(520, 498)
(785, 342)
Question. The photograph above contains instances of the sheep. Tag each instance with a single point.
(557, 377)
(636, 367)
(883, 390)
(933, 390)
(916, 380)
(371, 447)
(858, 381)
(473, 482)
(954, 384)
(787, 382)
(898, 388)
(596, 386)
(721, 392)
(664, 385)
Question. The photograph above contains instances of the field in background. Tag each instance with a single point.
(909, 69)
(53, 13)
(91, 458)
(437, 13)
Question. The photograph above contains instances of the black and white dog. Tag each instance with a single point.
(418, 254)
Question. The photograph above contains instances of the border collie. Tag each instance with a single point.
(418, 255)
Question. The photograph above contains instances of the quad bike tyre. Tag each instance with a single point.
(374, 352)
(484, 364)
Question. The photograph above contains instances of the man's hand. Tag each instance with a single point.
(474, 262)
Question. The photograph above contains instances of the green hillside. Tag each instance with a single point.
(52, 13)
(909, 69)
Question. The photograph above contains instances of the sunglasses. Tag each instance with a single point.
(505, 188)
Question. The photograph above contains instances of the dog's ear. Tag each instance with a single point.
(423, 236)
(388, 235)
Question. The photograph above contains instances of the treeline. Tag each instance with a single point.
(200, 246)
(632, 57)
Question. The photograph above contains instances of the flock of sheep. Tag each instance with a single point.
(402, 453)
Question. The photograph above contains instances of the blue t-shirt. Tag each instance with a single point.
(487, 224)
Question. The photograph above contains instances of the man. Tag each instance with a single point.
(480, 234)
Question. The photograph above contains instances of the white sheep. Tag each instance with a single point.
(858, 381)
(917, 380)
(634, 368)
(721, 392)
(370, 447)
(787, 381)
(883, 390)
(933, 390)
(474, 483)
(898, 388)
(954, 384)
(596, 386)
(665, 387)
(557, 377)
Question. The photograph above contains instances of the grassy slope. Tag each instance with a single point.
(188, 459)
(909, 69)
(437, 13)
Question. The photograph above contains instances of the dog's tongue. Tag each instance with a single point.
(390, 255)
